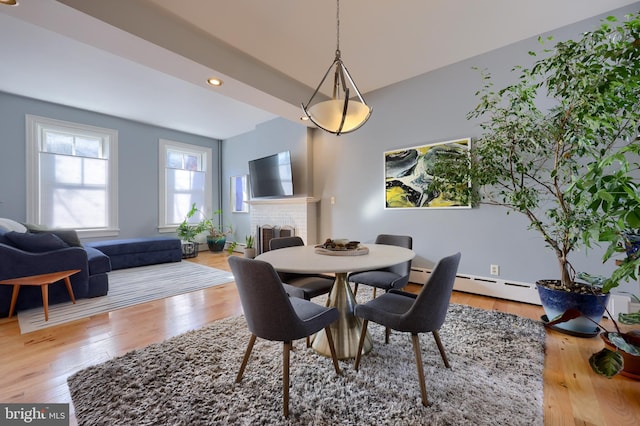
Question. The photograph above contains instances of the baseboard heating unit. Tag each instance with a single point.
(508, 289)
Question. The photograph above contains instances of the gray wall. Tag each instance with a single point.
(268, 138)
(431, 108)
(137, 161)
(428, 108)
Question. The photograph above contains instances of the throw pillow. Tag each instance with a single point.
(12, 225)
(3, 239)
(35, 243)
(69, 236)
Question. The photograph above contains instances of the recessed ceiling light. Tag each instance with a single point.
(214, 81)
(9, 2)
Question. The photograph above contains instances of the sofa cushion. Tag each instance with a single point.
(35, 243)
(12, 225)
(135, 245)
(132, 252)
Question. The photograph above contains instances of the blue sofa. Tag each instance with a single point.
(20, 257)
(42, 251)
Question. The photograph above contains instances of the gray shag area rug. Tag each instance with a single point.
(495, 379)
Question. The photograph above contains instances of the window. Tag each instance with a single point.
(72, 176)
(185, 178)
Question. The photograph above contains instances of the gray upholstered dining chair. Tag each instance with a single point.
(408, 312)
(271, 314)
(391, 277)
(311, 285)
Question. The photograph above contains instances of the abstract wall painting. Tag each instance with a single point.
(409, 173)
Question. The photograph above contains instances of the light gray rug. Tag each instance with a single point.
(128, 287)
(496, 379)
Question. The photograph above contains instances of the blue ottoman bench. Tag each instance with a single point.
(132, 252)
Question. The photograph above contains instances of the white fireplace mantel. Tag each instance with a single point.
(289, 200)
(300, 213)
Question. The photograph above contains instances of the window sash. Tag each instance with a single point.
(185, 178)
(72, 186)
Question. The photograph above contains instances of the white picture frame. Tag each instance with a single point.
(239, 194)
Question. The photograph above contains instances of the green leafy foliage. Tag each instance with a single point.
(188, 229)
(632, 318)
(249, 240)
(606, 362)
(559, 144)
(213, 225)
(624, 343)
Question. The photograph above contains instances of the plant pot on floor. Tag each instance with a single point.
(216, 244)
(631, 363)
(249, 253)
(189, 249)
(556, 302)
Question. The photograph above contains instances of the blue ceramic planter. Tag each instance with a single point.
(556, 302)
(216, 244)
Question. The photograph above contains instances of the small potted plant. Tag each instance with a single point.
(621, 353)
(217, 233)
(249, 250)
(187, 232)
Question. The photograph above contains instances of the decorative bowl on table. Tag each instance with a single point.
(341, 247)
(339, 244)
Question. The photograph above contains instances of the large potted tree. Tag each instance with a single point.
(577, 105)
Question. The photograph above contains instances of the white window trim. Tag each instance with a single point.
(34, 128)
(207, 164)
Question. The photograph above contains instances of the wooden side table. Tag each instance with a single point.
(43, 280)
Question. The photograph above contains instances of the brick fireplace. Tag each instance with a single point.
(295, 215)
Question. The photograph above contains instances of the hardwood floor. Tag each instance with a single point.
(35, 366)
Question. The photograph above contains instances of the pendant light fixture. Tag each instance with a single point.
(346, 111)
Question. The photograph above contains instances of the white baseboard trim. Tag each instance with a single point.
(509, 289)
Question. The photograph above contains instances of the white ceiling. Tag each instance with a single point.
(147, 60)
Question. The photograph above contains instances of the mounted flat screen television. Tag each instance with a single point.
(271, 176)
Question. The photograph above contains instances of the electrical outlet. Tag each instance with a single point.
(494, 270)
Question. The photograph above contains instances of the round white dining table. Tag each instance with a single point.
(306, 259)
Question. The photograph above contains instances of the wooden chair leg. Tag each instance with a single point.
(416, 350)
(245, 360)
(363, 335)
(332, 348)
(355, 289)
(45, 300)
(286, 350)
(387, 333)
(436, 336)
(375, 291)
